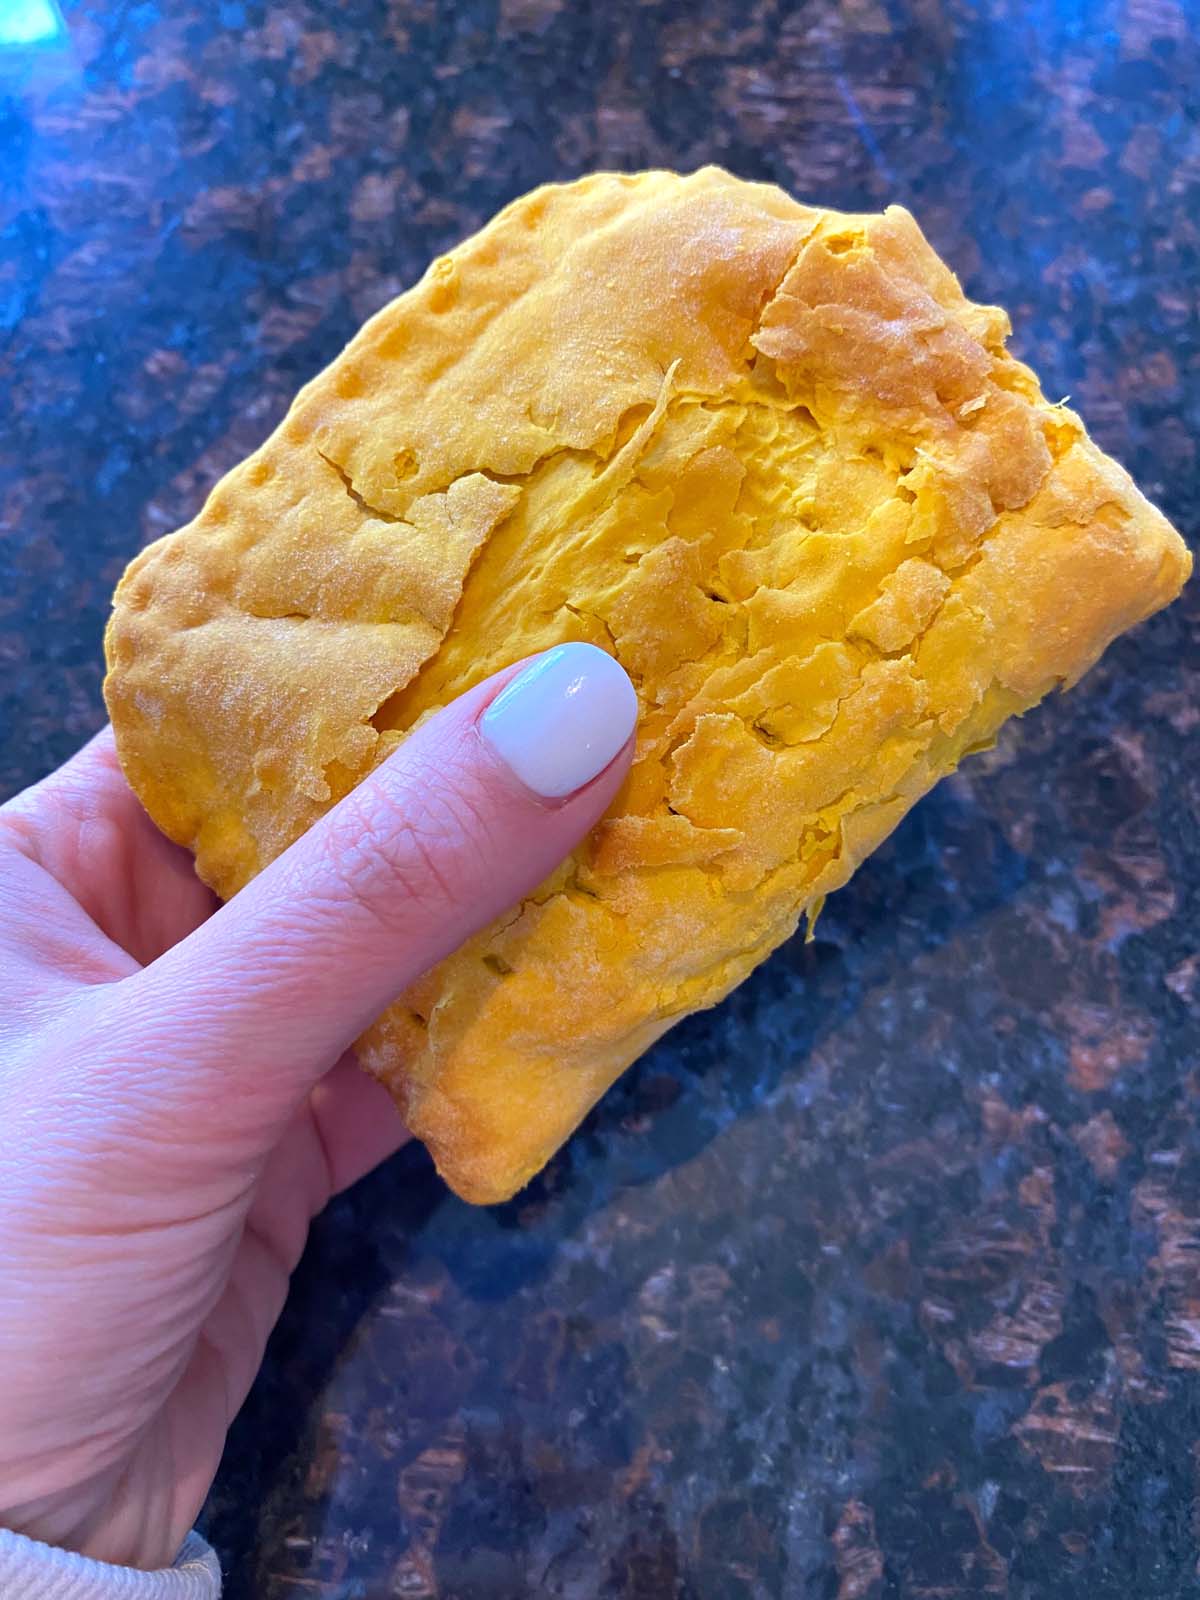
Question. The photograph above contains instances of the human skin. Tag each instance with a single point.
(176, 1094)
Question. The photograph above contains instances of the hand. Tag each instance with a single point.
(175, 1094)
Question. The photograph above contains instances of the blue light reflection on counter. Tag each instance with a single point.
(31, 22)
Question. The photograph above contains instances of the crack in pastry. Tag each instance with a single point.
(768, 456)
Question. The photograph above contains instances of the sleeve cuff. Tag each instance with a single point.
(33, 1571)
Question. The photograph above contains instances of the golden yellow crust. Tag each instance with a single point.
(768, 455)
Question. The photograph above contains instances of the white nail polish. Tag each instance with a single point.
(562, 720)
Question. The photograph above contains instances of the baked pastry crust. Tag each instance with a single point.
(767, 454)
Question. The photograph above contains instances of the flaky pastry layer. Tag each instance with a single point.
(769, 456)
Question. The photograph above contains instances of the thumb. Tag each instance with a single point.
(467, 817)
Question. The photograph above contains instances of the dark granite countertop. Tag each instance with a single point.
(883, 1280)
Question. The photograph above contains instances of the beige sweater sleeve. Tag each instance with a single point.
(33, 1571)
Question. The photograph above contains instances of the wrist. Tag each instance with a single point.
(98, 1521)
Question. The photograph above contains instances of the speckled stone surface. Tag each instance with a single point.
(883, 1280)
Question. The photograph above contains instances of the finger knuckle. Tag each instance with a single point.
(404, 849)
